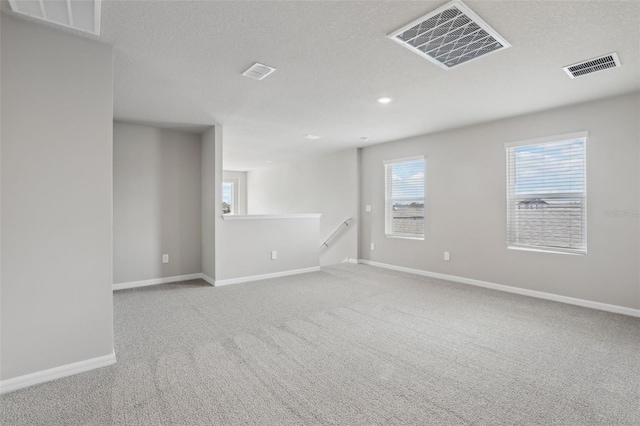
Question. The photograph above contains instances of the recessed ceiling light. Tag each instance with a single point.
(364, 138)
(385, 100)
(312, 137)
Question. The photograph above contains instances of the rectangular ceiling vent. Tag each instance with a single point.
(450, 36)
(593, 65)
(81, 15)
(258, 71)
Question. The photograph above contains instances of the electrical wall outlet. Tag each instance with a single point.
(274, 255)
(446, 255)
(165, 258)
(368, 208)
(373, 246)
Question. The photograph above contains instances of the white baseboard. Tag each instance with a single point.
(20, 382)
(265, 276)
(350, 260)
(134, 284)
(500, 287)
(208, 279)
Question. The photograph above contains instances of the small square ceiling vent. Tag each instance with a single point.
(81, 15)
(258, 71)
(449, 36)
(600, 63)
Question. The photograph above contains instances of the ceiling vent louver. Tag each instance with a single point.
(593, 65)
(258, 71)
(79, 15)
(450, 36)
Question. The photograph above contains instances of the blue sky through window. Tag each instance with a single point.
(227, 192)
(408, 180)
(556, 167)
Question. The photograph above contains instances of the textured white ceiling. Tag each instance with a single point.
(181, 62)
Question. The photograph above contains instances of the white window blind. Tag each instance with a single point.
(404, 197)
(546, 194)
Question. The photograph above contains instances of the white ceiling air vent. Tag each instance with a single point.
(449, 36)
(258, 71)
(593, 65)
(81, 15)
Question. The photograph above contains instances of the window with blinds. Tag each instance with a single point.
(546, 194)
(404, 197)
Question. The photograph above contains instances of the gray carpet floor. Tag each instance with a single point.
(349, 345)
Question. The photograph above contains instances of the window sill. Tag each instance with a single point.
(542, 250)
(405, 237)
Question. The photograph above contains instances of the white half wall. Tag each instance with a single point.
(466, 206)
(56, 266)
(156, 203)
(326, 185)
(247, 243)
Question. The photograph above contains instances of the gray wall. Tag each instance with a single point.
(466, 213)
(156, 203)
(326, 185)
(57, 114)
(0, 197)
(211, 181)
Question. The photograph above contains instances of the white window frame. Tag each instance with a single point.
(389, 202)
(512, 197)
(234, 195)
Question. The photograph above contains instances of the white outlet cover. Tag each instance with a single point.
(274, 255)
(373, 246)
(368, 208)
(165, 258)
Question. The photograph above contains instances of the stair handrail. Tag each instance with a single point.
(344, 224)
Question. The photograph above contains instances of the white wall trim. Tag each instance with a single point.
(270, 216)
(208, 279)
(509, 289)
(43, 376)
(266, 276)
(178, 278)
